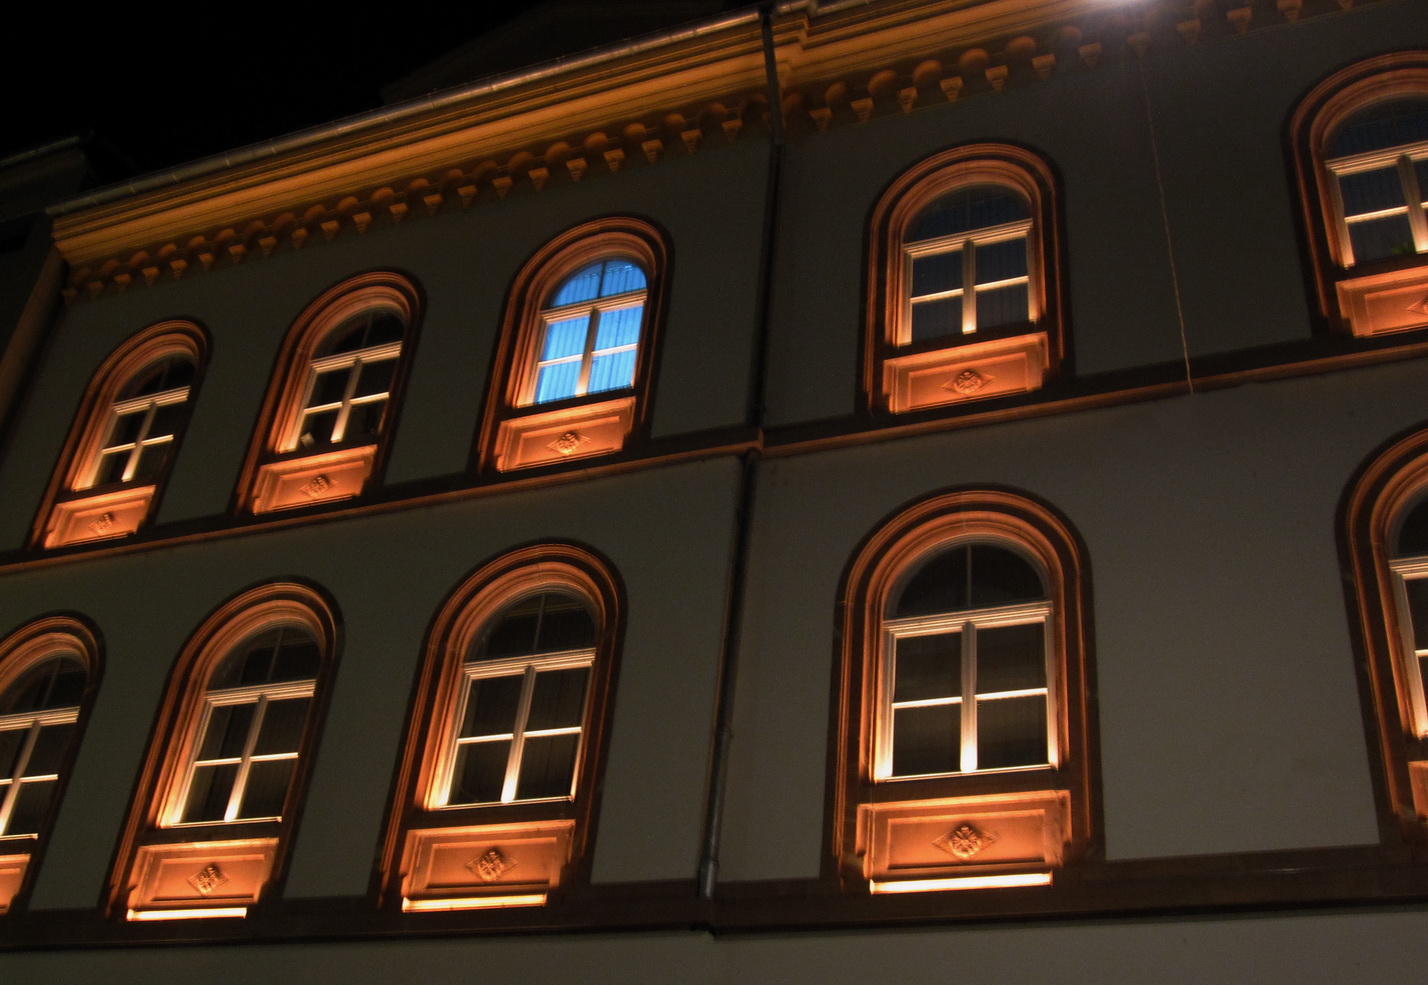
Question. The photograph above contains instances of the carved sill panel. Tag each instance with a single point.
(12, 873)
(1396, 301)
(1418, 777)
(216, 878)
(323, 478)
(1005, 835)
(100, 517)
(569, 432)
(490, 865)
(967, 372)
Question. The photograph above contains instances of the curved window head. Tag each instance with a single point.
(329, 408)
(1362, 137)
(124, 439)
(577, 348)
(592, 331)
(964, 285)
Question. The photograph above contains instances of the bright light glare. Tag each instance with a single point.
(471, 903)
(962, 882)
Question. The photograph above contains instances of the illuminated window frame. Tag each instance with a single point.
(277, 473)
(30, 646)
(441, 856)
(167, 868)
(900, 375)
(74, 510)
(975, 828)
(518, 433)
(1378, 296)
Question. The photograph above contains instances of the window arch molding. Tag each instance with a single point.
(901, 373)
(278, 472)
(1391, 486)
(520, 432)
(170, 865)
(886, 828)
(433, 848)
(1374, 296)
(25, 650)
(77, 506)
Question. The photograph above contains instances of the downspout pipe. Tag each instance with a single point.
(737, 568)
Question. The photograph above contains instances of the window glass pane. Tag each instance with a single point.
(936, 319)
(1393, 124)
(126, 427)
(31, 804)
(1011, 658)
(1420, 170)
(50, 746)
(558, 700)
(966, 210)
(612, 372)
(1371, 191)
(111, 467)
(1002, 577)
(1375, 239)
(1002, 306)
(565, 337)
(364, 420)
(328, 387)
(375, 377)
(208, 793)
(927, 740)
(317, 428)
(10, 742)
(492, 705)
(939, 585)
(227, 731)
(151, 460)
(1001, 261)
(54, 683)
(1413, 531)
(1418, 610)
(386, 326)
(371, 328)
(936, 273)
(267, 788)
(551, 622)
(619, 327)
(557, 382)
(621, 277)
(480, 772)
(288, 653)
(1011, 732)
(547, 766)
(282, 726)
(167, 420)
(928, 667)
(170, 374)
(583, 285)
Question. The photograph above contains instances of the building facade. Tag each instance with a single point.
(838, 489)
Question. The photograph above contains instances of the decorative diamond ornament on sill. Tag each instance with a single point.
(491, 865)
(964, 841)
(207, 879)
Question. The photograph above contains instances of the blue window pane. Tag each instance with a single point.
(613, 371)
(1390, 236)
(965, 210)
(935, 319)
(1371, 191)
(1001, 261)
(937, 273)
(621, 276)
(1379, 127)
(565, 338)
(583, 285)
(556, 382)
(619, 327)
(1002, 306)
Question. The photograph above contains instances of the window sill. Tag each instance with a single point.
(965, 372)
(933, 843)
(1391, 301)
(12, 874)
(485, 865)
(103, 516)
(544, 437)
(194, 879)
(322, 478)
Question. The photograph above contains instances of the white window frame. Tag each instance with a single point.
(353, 363)
(966, 622)
(10, 786)
(967, 242)
(528, 668)
(256, 694)
(1402, 158)
(594, 309)
(1405, 570)
(148, 405)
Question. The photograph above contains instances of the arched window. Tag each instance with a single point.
(964, 298)
(225, 776)
(124, 437)
(498, 792)
(965, 757)
(48, 673)
(330, 405)
(577, 349)
(1362, 142)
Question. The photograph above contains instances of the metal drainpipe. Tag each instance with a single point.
(748, 490)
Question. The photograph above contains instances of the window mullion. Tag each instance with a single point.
(969, 697)
(518, 737)
(245, 760)
(135, 453)
(969, 287)
(344, 409)
(12, 791)
(1413, 198)
(582, 385)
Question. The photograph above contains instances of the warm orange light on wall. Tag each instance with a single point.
(471, 903)
(961, 882)
(195, 913)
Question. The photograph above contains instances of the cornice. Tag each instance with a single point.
(839, 64)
